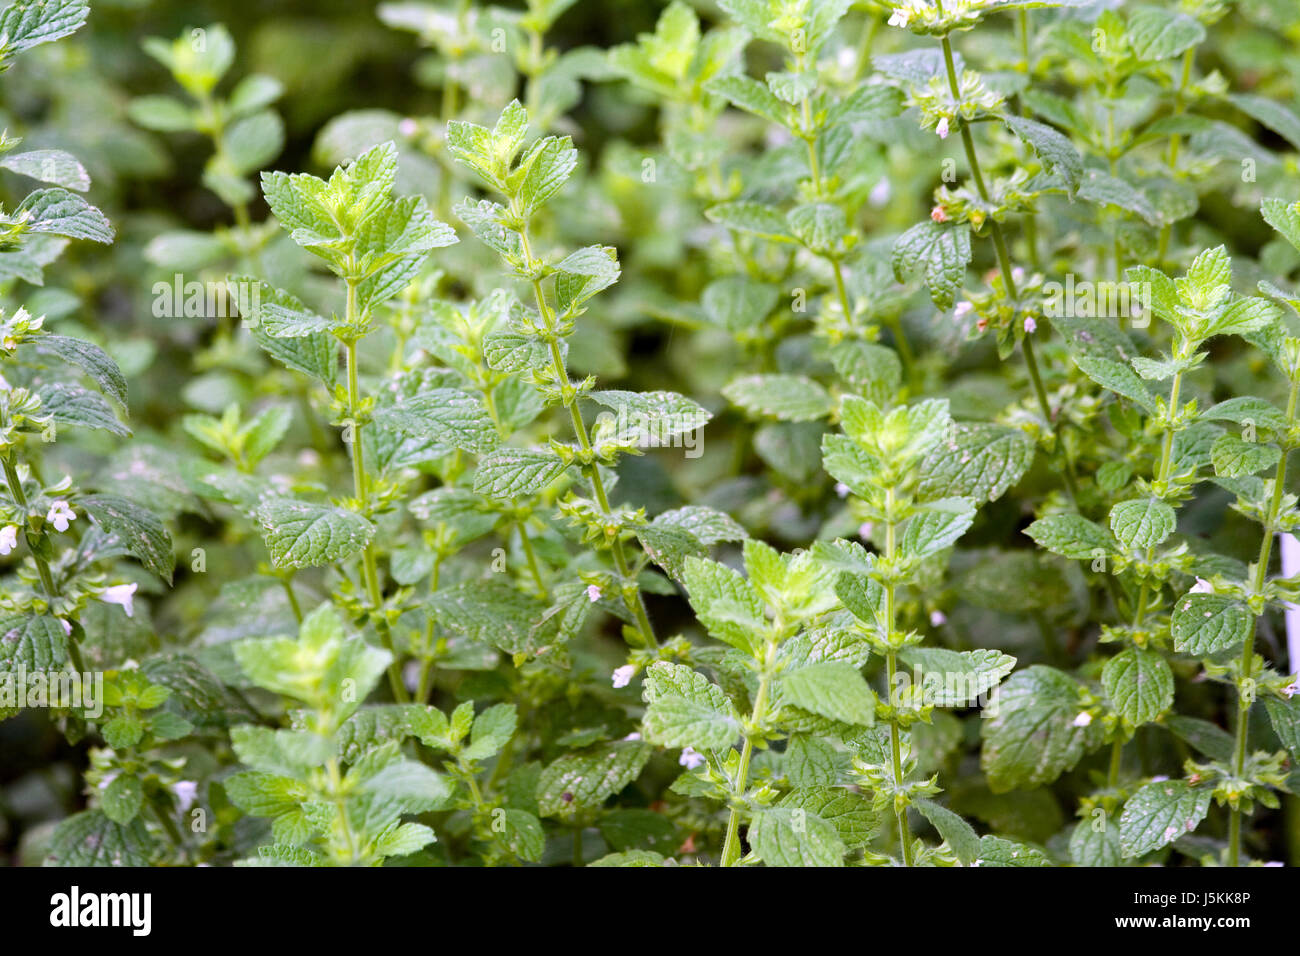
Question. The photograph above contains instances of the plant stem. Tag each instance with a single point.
(360, 486)
(891, 666)
(627, 585)
(1245, 694)
(731, 845)
(20, 499)
(1008, 279)
(1116, 755)
(1175, 143)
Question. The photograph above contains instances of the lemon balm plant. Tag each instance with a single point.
(725, 444)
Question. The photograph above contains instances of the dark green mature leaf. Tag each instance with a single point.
(1139, 684)
(92, 360)
(1033, 737)
(1159, 813)
(582, 781)
(90, 838)
(940, 252)
(1052, 147)
(135, 528)
(792, 836)
(980, 461)
(1208, 624)
(302, 534)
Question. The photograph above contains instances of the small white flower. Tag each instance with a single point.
(411, 675)
(962, 310)
(1083, 720)
(942, 128)
(841, 489)
(123, 594)
(846, 58)
(185, 791)
(880, 193)
(1202, 586)
(67, 626)
(864, 531)
(633, 736)
(1292, 690)
(690, 759)
(1159, 778)
(8, 538)
(1030, 326)
(593, 593)
(623, 675)
(60, 514)
(900, 17)
(938, 619)
(1018, 274)
(408, 127)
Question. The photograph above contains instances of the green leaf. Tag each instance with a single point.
(582, 781)
(1271, 114)
(1052, 147)
(1095, 845)
(650, 419)
(524, 835)
(515, 472)
(1119, 378)
(1284, 217)
(787, 836)
(752, 217)
(542, 171)
(810, 762)
(1140, 685)
(748, 94)
(832, 689)
(940, 251)
(956, 678)
(414, 786)
(1156, 34)
(91, 359)
(448, 416)
(937, 528)
(1210, 739)
(301, 534)
(681, 722)
(791, 398)
(1141, 523)
(1071, 536)
(50, 166)
(28, 23)
(1032, 737)
(1284, 714)
(70, 404)
(956, 832)
(1208, 624)
(1234, 458)
(851, 814)
(1158, 814)
(123, 798)
(61, 213)
(995, 851)
(980, 461)
(725, 603)
(90, 838)
(872, 370)
(1107, 190)
(135, 529)
(32, 642)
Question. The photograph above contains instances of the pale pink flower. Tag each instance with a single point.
(123, 594)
